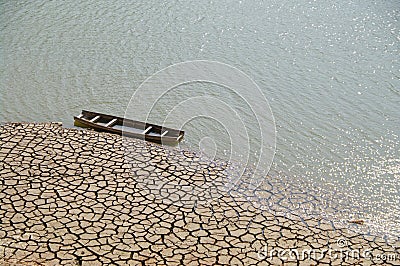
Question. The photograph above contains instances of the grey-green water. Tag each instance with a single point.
(330, 71)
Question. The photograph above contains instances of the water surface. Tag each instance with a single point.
(330, 71)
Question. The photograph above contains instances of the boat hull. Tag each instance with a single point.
(128, 128)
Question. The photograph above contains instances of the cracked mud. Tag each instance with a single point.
(75, 197)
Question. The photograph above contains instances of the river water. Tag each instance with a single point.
(329, 70)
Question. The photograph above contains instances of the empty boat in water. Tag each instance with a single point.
(128, 127)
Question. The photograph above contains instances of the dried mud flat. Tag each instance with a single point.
(78, 197)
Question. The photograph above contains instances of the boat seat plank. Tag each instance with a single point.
(94, 119)
(80, 116)
(111, 123)
(147, 130)
(165, 133)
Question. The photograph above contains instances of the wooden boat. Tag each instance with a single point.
(128, 127)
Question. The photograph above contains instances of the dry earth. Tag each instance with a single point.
(78, 197)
